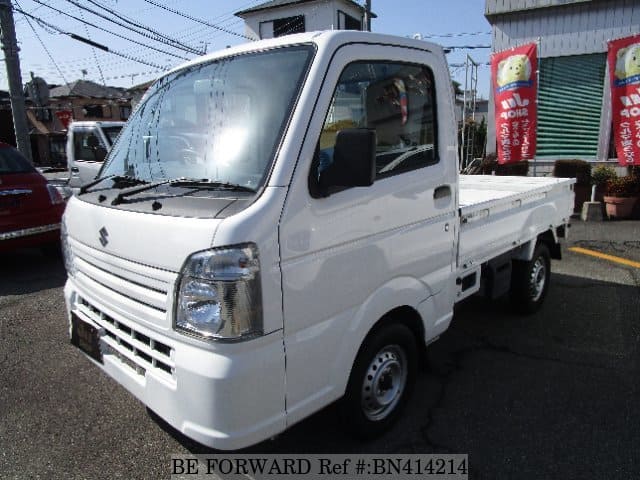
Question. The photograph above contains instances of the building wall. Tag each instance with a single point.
(321, 15)
(564, 28)
(110, 109)
(505, 6)
(573, 29)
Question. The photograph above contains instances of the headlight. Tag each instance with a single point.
(67, 254)
(219, 295)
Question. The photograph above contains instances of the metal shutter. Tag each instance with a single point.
(570, 105)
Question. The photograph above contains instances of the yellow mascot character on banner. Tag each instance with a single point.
(515, 68)
(628, 62)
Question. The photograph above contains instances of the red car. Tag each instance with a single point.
(30, 208)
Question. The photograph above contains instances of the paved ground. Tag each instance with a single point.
(554, 395)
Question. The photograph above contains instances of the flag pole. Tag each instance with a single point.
(535, 159)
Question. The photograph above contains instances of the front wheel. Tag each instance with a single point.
(380, 382)
(530, 281)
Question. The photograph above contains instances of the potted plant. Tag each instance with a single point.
(621, 195)
(599, 178)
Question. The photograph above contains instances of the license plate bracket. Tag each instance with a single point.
(86, 337)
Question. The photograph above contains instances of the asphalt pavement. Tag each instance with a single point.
(553, 395)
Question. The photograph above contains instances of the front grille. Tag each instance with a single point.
(132, 348)
(142, 291)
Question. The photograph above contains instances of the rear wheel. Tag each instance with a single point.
(530, 280)
(380, 382)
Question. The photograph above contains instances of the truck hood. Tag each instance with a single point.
(154, 240)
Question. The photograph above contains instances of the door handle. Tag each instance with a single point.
(442, 192)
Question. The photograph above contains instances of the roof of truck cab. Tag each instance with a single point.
(329, 39)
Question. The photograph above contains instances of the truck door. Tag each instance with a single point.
(349, 255)
(89, 151)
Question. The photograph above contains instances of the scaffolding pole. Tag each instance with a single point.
(468, 108)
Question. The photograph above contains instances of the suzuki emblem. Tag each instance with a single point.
(104, 236)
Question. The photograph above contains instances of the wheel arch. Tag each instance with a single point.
(549, 238)
(404, 314)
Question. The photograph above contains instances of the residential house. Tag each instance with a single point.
(88, 100)
(283, 17)
(79, 100)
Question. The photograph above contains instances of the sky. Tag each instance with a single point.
(59, 59)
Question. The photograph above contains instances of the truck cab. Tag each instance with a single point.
(88, 143)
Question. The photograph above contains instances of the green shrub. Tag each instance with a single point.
(628, 186)
(578, 169)
(602, 174)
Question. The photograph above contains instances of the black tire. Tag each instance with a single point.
(530, 281)
(387, 363)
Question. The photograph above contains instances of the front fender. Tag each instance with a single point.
(399, 292)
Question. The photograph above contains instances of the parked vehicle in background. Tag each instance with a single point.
(30, 208)
(87, 146)
(249, 256)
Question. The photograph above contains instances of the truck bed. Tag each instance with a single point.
(499, 213)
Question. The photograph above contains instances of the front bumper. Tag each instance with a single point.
(225, 396)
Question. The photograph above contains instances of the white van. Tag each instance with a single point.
(88, 143)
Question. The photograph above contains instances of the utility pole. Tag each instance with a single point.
(10, 48)
(367, 15)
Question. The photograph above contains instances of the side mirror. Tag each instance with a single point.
(354, 160)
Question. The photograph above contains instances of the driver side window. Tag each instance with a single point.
(87, 146)
(397, 100)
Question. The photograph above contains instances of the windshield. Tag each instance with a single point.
(111, 133)
(12, 161)
(220, 121)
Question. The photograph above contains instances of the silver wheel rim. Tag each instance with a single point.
(384, 382)
(538, 279)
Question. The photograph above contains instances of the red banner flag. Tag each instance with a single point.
(515, 82)
(65, 117)
(624, 74)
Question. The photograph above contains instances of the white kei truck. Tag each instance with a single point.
(282, 224)
(88, 143)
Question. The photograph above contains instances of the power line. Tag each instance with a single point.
(454, 34)
(93, 50)
(44, 47)
(198, 20)
(109, 31)
(462, 65)
(145, 27)
(156, 36)
(78, 37)
(467, 47)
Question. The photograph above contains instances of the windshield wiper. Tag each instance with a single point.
(211, 184)
(117, 180)
(141, 188)
(84, 188)
(182, 182)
